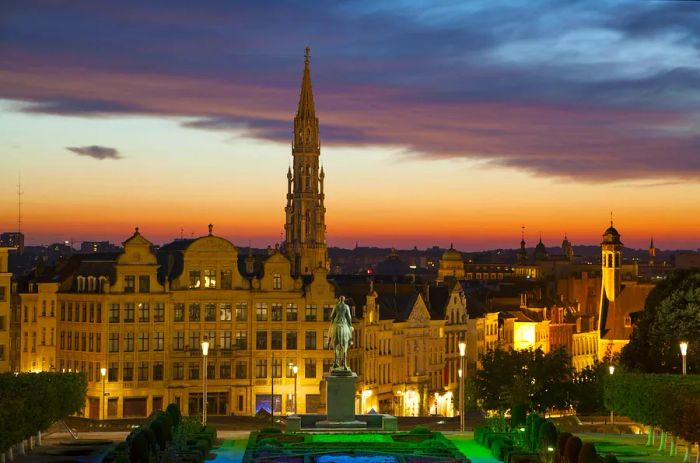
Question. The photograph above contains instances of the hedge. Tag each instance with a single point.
(671, 402)
(31, 402)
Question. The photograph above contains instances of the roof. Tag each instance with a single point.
(613, 313)
(611, 236)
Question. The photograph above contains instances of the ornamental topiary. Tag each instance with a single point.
(572, 449)
(420, 430)
(518, 416)
(547, 436)
(561, 444)
(588, 454)
(174, 411)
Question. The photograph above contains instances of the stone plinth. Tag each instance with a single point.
(340, 396)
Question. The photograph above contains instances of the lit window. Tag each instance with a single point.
(209, 278)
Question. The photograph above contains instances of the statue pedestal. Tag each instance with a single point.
(340, 397)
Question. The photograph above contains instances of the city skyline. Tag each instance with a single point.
(421, 145)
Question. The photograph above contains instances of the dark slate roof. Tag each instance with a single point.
(395, 301)
(170, 259)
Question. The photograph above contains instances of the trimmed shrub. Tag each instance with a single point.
(561, 444)
(479, 434)
(270, 430)
(174, 411)
(500, 446)
(547, 436)
(610, 458)
(420, 430)
(572, 449)
(588, 454)
(518, 416)
(534, 441)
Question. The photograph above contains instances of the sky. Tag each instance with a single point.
(441, 122)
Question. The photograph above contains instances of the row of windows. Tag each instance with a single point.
(154, 371)
(190, 340)
(51, 312)
(44, 340)
(129, 311)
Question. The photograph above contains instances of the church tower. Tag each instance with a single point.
(652, 252)
(305, 225)
(522, 252)
(611, 248)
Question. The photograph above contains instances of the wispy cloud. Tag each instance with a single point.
(96, 152)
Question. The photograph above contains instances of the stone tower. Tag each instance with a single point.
(652, 252)
(611, 248)
(522, 252)
(305, 225)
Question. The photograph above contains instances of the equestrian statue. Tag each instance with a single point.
(340, 334)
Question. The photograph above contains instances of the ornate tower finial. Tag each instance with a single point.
(211, 229)
(611, 218)
(306, 55)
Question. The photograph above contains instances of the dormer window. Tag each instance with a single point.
(209, 278)
(92, 284)
(129, 283)
(276, 281)
(102, 285)
(81, 284)
(195, 279)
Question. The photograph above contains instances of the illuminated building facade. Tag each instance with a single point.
(5, 312)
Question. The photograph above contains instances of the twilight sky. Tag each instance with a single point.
(440, 121)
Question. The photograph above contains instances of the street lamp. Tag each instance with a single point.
(612, 370)
(103, 372)
(205, 352)
(684, 352)
(272, 390)
(295, 370)
(463, 373)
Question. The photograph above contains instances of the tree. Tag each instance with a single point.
(671, 315)
(587, 389)
(542, 380)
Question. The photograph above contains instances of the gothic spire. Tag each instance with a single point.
(306, 98)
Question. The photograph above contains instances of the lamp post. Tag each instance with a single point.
(205, 352)
(103, 372)
(612, 370)
(272, 390)
(295, 370)
(684, 352)
(463, 373)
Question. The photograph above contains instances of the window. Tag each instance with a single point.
(225, 312)
(91, 341)
(77, 312)
(84, 312)
(158, 312)
(62, 339)
(178, 340)
(195, 276)
(129, 283)
(92, 312)
(211, 337)
(277, 368)
(98, 342)
(144, 315)
(179, 312)
(261, 311)
(309, 368)
(129, 312)
(225, 369)
(261, 368)
(276, 340)
(178, 370)
(81, 284)
(291, 312)
(628, 321)
(241, 312)
(209, 278)
(241, 370)
(128, 342)
(194, 340)
(99, 312)
(43, 336)
(158, 341)
(143, 371)
(143, 342)
(3, 292)
(225, 340)
(43, 306)
(211, 370)
(157, 371)
(261, 340)
(310, 340)
(144, 284)
(76, 339)
(63, 311)
(113, 345)
(53, 308)
(194, 312)
(291, 339)
(83, 341)
(209, 312)
(113, 372)
(310, 315)
(327, 309)
(327, 365)
(241, 340)
(128, 371)
(276, 281)
(193, 370)
(326, 339)
(276, 312)
(226, 281)
(289, 371)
